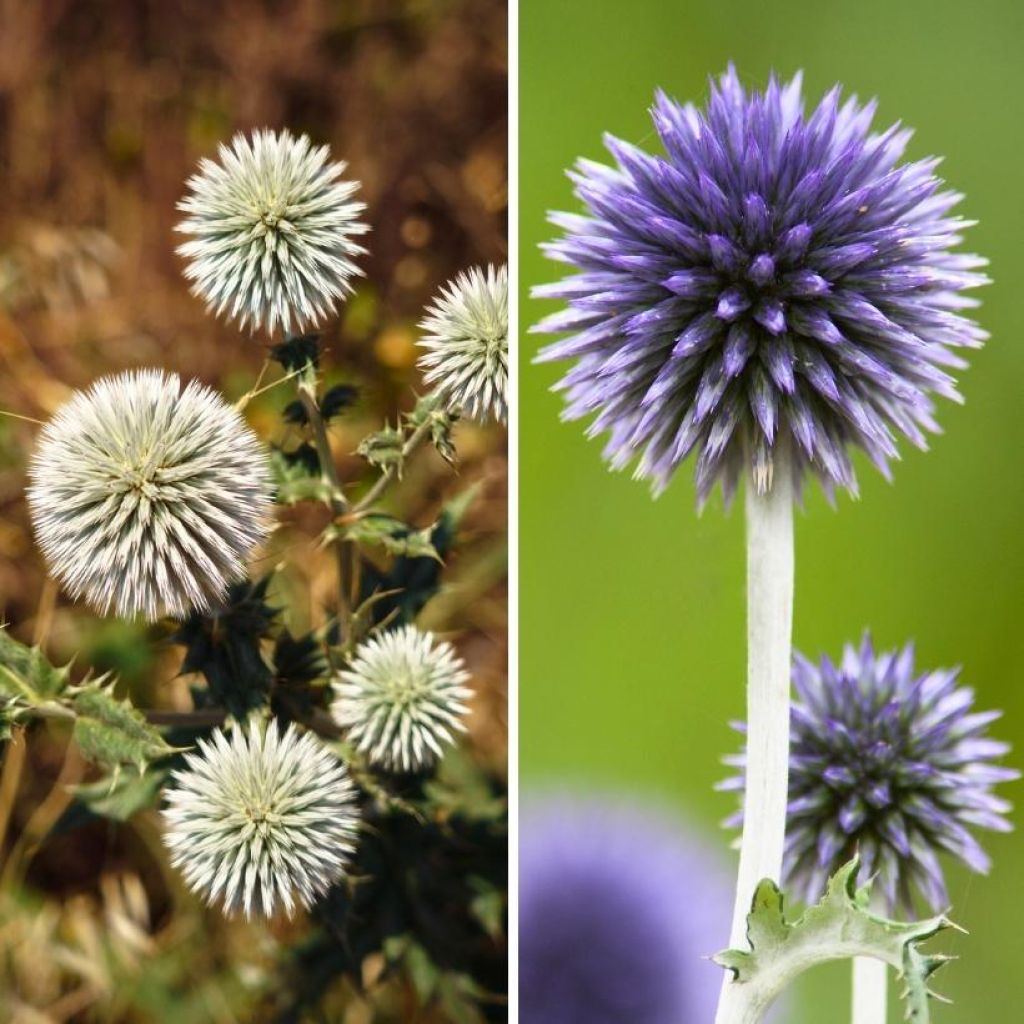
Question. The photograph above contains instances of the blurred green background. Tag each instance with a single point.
(632, 629)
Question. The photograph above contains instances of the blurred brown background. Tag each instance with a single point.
(105, 109)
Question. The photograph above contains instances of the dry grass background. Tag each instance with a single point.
(105, 109)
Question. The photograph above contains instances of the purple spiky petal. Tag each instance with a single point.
(774, 274)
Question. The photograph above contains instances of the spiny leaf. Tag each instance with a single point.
(413, 580)
(297, 475)
(840, 926)
(297, 352)
(25, 673)
(441, 420)
(27, 680)
(298, 659)
(384, 448)
(393, 535)
(110, 732)
(332, 403)
(225, 647)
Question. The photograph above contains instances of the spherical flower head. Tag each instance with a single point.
(402, 698)
(271, 231)
(466, 343)
(892, 763)
(148, 496)
(261, 819)
(618, 909)
(775, 277)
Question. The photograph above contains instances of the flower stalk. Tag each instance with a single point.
(870, 991)
(769, 516)
(870, 981)
(337, 501)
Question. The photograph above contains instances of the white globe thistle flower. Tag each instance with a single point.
(402, 698)
(261, 820)
(148, 497)
(271, 231)
(466, 343)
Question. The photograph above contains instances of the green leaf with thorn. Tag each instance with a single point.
(110, 732)
(838, 927)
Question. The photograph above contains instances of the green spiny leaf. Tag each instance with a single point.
(841, 925)
(383, 449)
(25, 674)
(393, 535)
(27, 680)
(441, 421)
(295, 478)
(110, 732)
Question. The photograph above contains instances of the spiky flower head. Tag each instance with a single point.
(260, 819)
(775, 277)
(402, 698)
(891, 762)
(271, 231)
(619, 907)
(466, 342)
(148, 496)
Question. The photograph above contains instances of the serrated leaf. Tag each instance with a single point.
(393, 535)
(383, 449)
(225, 646)
(25, 673)
(413, 580)
(333, 402)
(298, 659)
(296, 475)
(838, 927)
(428, 411)
(110, 732)
(297, 352)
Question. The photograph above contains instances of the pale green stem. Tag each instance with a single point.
(769, 514)
(870, 978)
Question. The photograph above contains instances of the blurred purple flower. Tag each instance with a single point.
(773, 275)
(891, 762)
(617, 906)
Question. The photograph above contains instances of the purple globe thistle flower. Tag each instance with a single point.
(617, 907)
(774, 275)
(891, 762)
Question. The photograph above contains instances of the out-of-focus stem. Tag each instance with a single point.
(769, 514)
(337, 500)
(870, 994)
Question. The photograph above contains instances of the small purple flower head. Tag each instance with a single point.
(617, 907)
(774, 277)
(890, 762)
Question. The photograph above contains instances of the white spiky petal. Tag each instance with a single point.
(271, 231)
(402, 698)
(147, 497)
(466, 343)
(261, 820)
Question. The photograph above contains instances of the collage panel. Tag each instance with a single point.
(253, 512)
(751, 290)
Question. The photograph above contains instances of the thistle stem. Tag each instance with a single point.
(870, 985)
(338, 502)
(769, 514)
(339, 506)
